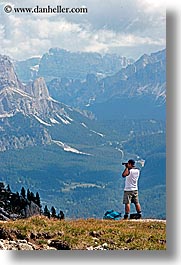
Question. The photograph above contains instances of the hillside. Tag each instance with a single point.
(40, 233)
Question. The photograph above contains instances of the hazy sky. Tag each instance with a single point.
(128, 27)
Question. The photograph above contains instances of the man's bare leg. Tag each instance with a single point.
(127, 210)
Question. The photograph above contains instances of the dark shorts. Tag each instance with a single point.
(130, 197)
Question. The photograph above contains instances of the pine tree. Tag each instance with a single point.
(23, 192)
(32, 197)
(28, 195)
(53, 212)
(8, 188)
(37, 200)
(61, 215)
(46, 211)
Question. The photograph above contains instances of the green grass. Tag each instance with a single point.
(80, 234)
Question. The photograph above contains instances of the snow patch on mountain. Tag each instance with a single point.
(121, 151)
(9, 90)
(41, 121)
(52, 99)
(83, 124)
(68, 118)
(100, 134)
(6, 115)
(68, 148)
(54, 121)
(35, 68)
(63, 120)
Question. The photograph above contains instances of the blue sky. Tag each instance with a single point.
(127, 27)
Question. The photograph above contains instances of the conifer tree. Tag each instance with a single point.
(53, 212)
(61, 215)
(32, 197)
(37, 199)
(28, 195)
(46, 211)
(23, 192)
(8, 188)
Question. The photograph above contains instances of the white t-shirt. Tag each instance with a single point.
(131, 182)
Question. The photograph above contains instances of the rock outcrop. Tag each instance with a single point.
(14, 206)
(7, 74)
(16, 97)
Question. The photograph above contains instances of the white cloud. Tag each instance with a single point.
(153, 6)
(106, 40)
(114, 25)
(1, 32)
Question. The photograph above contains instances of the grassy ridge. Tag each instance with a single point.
(89, 234)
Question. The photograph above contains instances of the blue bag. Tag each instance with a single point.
(112, 215)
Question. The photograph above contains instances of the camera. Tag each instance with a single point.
(124, 164)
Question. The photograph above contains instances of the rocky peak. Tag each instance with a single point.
(20, 104)
(15, 97)
(7, 73)
(39, 89)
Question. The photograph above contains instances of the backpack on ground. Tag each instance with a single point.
(112, 215)
(135, 216)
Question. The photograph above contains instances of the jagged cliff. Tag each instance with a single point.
(15, 97)
(27, 111)
(8, 78)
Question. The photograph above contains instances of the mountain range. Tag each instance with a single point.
(140, 85)
(67, 137)
(73, 65)
(144, 77)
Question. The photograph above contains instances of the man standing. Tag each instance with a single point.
(131, 173)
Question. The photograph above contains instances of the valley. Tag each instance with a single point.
(67, 137)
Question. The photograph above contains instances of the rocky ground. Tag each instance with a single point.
(25, 245)
(16, 245)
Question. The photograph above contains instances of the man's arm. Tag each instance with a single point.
(125, 172)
